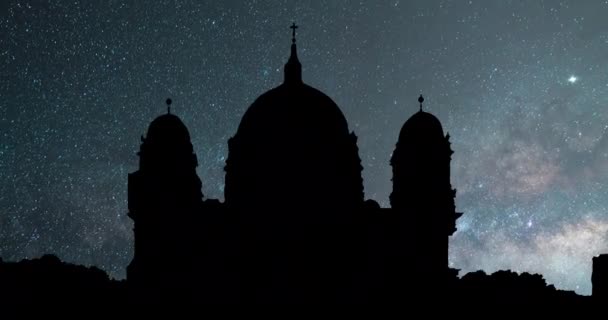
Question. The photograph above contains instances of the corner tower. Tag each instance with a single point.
(422, 189)
(163, 196)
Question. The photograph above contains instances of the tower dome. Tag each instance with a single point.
(293, 148)
(421, 126)
(168, 129)
(168, 163)
(167, 145)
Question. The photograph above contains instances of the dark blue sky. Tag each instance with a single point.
(521, 87)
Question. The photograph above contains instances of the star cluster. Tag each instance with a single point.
(520, 86)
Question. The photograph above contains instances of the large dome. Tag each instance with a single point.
(293, 108)
(293, 149)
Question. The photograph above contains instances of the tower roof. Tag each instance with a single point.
(422, 125)
(168, 129)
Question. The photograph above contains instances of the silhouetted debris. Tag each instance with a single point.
(48, 280)
(508, 287)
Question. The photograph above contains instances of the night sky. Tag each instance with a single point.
(521, 86)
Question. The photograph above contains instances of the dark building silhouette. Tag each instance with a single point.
(294, 227)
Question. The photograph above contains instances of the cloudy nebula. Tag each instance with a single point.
(522, 88)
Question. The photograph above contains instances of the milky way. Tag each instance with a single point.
(520, 86)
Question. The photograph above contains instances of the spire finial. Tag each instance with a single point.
(169, 101)
(293, 33)
(293, 68)
(421, 100)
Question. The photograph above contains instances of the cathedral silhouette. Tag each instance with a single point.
(294, 225)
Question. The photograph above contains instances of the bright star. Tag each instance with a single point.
(572, 79)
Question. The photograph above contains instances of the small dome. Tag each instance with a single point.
(421, 125)
(167, 145)
(168, 128)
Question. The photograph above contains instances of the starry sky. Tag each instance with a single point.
(521, 86)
